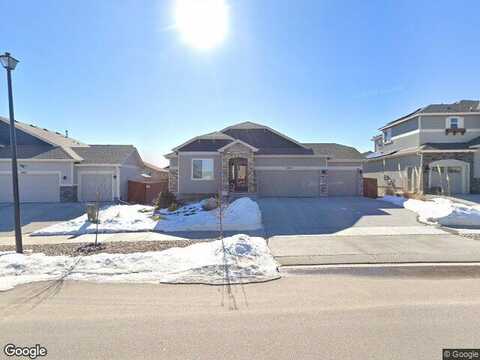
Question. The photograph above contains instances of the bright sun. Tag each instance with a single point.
(202, 24)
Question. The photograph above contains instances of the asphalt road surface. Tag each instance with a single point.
(409, 313)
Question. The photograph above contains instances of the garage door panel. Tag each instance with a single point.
(32, 187)
(342, 182)
(6, 192)
(296, 183)
(93, 184)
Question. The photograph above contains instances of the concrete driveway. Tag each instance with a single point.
(37, 216)
(337, 230)
(329, 215)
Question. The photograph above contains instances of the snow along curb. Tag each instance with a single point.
(238, 259)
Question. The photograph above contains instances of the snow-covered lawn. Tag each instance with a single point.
(241, 215)
(113, 218)
(238, 259)
(440, 211)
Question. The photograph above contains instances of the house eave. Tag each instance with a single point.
(428, 114)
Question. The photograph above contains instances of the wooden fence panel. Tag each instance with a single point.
(370, 188)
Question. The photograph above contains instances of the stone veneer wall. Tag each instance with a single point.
(467, 157)
(68, 193)
(226, 156)
(173, 180)
(360, 183)
(323, 183)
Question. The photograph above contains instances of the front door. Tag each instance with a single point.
(238, 175)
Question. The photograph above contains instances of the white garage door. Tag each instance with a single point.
(292, 183)
(32, 187)
(93, 184)
(343, 182)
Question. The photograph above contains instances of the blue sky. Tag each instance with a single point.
(114, 71)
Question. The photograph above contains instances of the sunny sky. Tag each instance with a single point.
(120, 72)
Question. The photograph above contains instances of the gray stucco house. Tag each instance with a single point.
(250, 158)
(56, 168)
(434, 149)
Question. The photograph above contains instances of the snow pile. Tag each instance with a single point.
(395, 200)
(241, 215)
(113, 218)
(238, 259)
(440, 211)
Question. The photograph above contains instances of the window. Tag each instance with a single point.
(202, 169)
(454, 122)
(387, 136)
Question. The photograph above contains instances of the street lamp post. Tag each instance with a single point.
(9, 63)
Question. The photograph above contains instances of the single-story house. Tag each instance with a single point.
(53, 167)
(250, 158)
(154, 172)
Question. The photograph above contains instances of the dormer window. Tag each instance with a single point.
(454, 125)
(387, 136)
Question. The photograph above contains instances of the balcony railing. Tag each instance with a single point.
(455, 131)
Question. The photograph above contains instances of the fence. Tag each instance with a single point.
(145, 192)
(370, 188)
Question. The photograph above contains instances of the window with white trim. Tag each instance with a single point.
(454, 122)
(387, 135)
(202, 169)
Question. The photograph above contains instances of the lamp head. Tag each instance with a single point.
(8, 62)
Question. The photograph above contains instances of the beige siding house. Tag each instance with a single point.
(253, 159)
(57, 168)
(434, 149)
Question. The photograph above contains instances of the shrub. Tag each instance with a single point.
(164, 200)
(411, 195)
(173, 206)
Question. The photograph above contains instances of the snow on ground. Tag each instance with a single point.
(241, 215)
(238, 259)
(113, 218)
(440, 211)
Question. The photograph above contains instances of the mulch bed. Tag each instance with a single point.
(120, 247)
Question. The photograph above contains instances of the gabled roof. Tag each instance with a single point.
(148, 165)
(50, 137)
(238, 141)
(104, 154)
(259, 137)
(36, 152)
(208, 139)
(335, 151)
(249, 125)
(462, 106)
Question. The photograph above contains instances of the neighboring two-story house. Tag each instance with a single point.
(434, 149)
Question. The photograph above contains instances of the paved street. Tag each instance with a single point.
(349, 314)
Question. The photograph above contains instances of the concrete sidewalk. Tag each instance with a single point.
(371, 249)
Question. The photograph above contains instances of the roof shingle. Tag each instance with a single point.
(36, 152)
(335, 151)
(104, 154)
